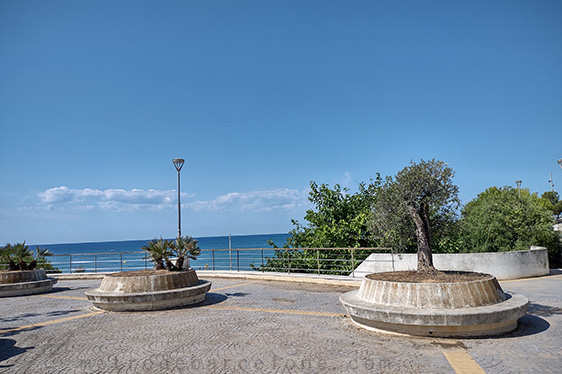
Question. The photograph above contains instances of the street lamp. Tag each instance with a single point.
(518, 182)
(178, 163)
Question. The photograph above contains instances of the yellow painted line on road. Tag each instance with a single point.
(52, 322)
(462, 362)
(235, 285)
(280, 311)
(62, 297)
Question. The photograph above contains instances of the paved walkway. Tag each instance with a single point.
(258, 326)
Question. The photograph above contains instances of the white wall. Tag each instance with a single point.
(503, 265)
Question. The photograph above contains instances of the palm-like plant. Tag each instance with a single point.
(40, 254)
(159, 252)
(5, 256)
(19, 256)
(186, 248)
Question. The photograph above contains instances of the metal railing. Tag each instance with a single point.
(339, 261)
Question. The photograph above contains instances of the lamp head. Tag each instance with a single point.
(178, 163)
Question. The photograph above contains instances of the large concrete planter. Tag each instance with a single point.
(502, 265)
(25, 282)
(148, 290)
(454, 309)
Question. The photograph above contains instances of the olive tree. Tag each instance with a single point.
(423, 194)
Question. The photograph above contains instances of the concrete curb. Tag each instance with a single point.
(337, 280)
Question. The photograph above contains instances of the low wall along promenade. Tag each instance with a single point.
(503, 265)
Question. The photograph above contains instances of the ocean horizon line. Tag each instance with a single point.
(155, 238)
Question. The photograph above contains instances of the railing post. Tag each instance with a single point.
(288, 262)
(237, 260)
(121, 261)
(318, 260)
(70, 264)
(95, 263)
(213, 254)
(352, 263)
(262, 269)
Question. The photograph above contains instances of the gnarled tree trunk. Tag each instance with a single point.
(423, 237)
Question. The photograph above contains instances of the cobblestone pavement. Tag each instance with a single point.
(252, 326)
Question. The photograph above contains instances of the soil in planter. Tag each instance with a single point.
(428, 277)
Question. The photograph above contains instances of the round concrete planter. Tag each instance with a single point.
(25, 282)
(457, 309)
(148, 290)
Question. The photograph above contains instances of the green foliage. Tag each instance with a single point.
(161, 252)
(42, 262)
(417, 210)
(505, 219)
(418, 206)
(552, 202)
(5, 253)
(338, 261)
(186, 248)
(19, 257)
(338, 219)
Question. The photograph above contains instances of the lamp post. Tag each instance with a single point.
(178, 163)
(518, 182)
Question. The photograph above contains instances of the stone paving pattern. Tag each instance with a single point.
(252, 326)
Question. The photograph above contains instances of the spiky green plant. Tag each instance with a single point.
(20, 257)
(41, 253)
(186, 247)
(159, 252)
(5, 257)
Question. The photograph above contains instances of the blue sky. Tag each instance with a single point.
(260, 98)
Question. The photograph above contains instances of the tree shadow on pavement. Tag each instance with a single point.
(59, 289)
(20, 319)
(236, 294)
(8, 349)
(543, 310)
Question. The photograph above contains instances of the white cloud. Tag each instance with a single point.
(258, 201)
(64, 198)
(110, 199)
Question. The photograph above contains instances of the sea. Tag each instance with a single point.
(229, 252)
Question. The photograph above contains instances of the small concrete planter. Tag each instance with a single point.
(471, 308)
(25, 282)
(148, 290)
